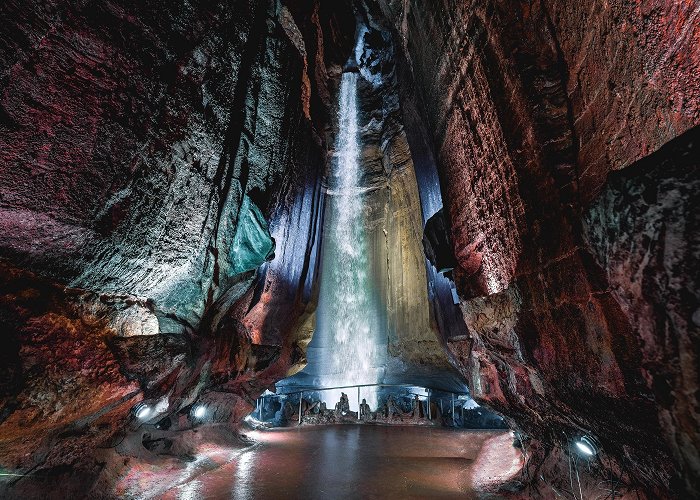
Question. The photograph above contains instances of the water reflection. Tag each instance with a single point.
(353, 461)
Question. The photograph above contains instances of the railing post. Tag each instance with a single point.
(429, 415)
(358, 402)
(301, 397)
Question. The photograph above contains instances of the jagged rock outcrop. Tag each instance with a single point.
(162, 200)
(644, 231)
(529, 107)
(152, 157)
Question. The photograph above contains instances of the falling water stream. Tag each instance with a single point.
(349, 342)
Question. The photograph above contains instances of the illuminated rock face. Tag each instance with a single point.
(152, 158)
(375, 321)
(349, 341)
(530, 106)
(134, 137)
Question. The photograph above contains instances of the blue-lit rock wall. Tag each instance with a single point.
(413, 304)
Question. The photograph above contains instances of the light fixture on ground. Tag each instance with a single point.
(142, 411)
(198, 411)
(586, 447)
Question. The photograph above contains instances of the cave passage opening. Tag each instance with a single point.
(375, 351)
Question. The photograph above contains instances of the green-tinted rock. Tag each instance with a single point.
(253, 243)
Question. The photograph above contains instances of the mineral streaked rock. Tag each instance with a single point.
(530, 106)
(622, 75)
(252, 243)
(394, 212)
(61, 387)
(131, 135)
(644, 230)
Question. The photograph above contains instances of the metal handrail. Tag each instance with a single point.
(358, 386)
(312, 389)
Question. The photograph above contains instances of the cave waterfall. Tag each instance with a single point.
(349, 343)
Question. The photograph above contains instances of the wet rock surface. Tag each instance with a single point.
(644, 230)
(161, 211)
(154, 156)
(530, 106)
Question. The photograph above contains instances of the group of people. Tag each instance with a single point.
(342, 407)
(391, 408)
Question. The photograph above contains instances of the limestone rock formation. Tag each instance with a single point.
(152, 157)
(570, 286)
(162, 173)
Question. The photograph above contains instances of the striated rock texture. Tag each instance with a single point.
(62, 389)
(408, 341)
(577, 293)
(393, 208)
(131, 134)
(161, 201)
(153, 157)
(644, 231)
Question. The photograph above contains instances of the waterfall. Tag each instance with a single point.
(349, 345)
(349, 312)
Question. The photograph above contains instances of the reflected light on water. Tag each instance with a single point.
(242, 489)
(190, 491)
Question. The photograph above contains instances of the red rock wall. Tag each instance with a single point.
(631, 77)
(129, 134)
(644, 230)
(531, 106)
(62, 391)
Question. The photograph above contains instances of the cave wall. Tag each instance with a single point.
(401, 169)
(113, 151)
(643, 230)
(131, 134)
(153, 157)
(143, 145)
(408, 341)
(393, 209)
(530, 106)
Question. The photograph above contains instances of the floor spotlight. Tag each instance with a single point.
(586, 447)
(198, 411)
(143, 411)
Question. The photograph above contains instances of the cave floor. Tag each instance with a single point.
(355, 461)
